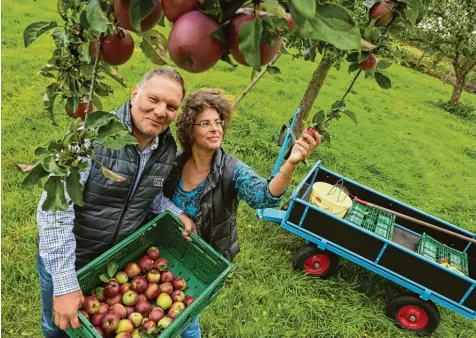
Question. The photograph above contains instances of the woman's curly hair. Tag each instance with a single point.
(195, 103)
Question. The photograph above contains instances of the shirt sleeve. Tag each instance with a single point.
(57, 244)
(253, 188)
(162, 204)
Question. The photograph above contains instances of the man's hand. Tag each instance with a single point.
(189, 226)
(304, 146)
(65, 309)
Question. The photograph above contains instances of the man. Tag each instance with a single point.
(70, 239)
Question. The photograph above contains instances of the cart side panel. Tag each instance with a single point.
(369, 195)
(424, 273)
(337, 232)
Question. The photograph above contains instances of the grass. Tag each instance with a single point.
(404, 146)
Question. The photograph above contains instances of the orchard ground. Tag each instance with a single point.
(403, 146)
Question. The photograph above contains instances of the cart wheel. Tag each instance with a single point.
(315, 261)
(414, 314)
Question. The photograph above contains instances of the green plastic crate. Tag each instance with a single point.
(440, 253)
(204, 269)
(377, 221)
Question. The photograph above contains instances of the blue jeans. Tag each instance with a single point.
(193, 330)
(46, 285)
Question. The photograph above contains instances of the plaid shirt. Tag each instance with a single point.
(57, 244)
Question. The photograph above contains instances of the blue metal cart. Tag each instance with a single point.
(329, 237)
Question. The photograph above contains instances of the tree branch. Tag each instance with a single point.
(433, 46)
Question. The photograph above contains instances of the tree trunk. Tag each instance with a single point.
(313, 89)
(458, 87)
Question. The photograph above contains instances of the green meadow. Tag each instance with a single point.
(404, 146)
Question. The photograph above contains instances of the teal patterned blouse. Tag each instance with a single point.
(251, 188)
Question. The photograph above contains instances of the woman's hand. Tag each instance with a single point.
(189, 226)
(304, 146)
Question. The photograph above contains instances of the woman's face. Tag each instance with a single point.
(208, 137)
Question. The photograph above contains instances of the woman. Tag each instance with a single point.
(207, 183)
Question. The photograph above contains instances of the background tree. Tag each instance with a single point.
(449, 29)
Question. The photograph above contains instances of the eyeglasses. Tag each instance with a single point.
(207, 124)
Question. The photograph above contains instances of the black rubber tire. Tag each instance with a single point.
(309, 250)
(429, 307)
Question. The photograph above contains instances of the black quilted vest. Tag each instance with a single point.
(110, 212)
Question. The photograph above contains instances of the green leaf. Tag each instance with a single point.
(338, 105)
(411, 15)
(35, 29)
(352, 57)
(50, 165)
(112, 175)
(118, 141)
(325, 136)
(351, 115)
(219, 34)
(353, 67)
(383, 81)
(307, 8)
(273, 70)
(283, 49)
(212, 8)
(55, 198)
(333, 24)
(249, 41)
(138, 10)
(41, 151)
(98, 119)
(72, 103)
(96, 103)
(154, 47)
(35, 175)
(146, 335)
(104, 278)
(384, 64)
(96, 17)
(74, 186)
(318, 117)
(112, 269)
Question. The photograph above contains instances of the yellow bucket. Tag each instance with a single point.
(330, 198)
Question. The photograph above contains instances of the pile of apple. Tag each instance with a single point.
(190, 43)
(139, 301)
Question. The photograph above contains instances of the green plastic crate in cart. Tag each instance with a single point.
(204, 269)
(377, 221)
(440, 253)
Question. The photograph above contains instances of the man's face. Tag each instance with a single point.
(155, 106)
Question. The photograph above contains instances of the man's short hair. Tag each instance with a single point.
(166, 71)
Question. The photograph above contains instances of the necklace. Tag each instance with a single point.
(197, 172)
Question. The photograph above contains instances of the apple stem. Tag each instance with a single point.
(95, 71)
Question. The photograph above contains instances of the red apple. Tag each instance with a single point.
(124, 287)
(382, 11)
(291, 22)
(143, 307)
(156, 314)
(80, 112)
(188, 300)
(162, 264)
(166, 276)
(130, 297)
(114, 300)
(178, 296)
(146, 263)
(369, 64)
(267, 52)
(96, 319)
(116, 49)
(154, 252)
(129, 310)
(174, 313)
(99, 330)
(124, 335)
(90, 305)
(132, 270)
(166, 287)
(139, 284)
(174, 9)
(103, 308)
(141, 297)
(112, 288)
(109, 322)
(121, 10)
(148, 326)
(311, 132)
(177, 306)
(119, 310)
(153, 276)
(191, 45)
(152, 291)
(179, 283)
(136, 318)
